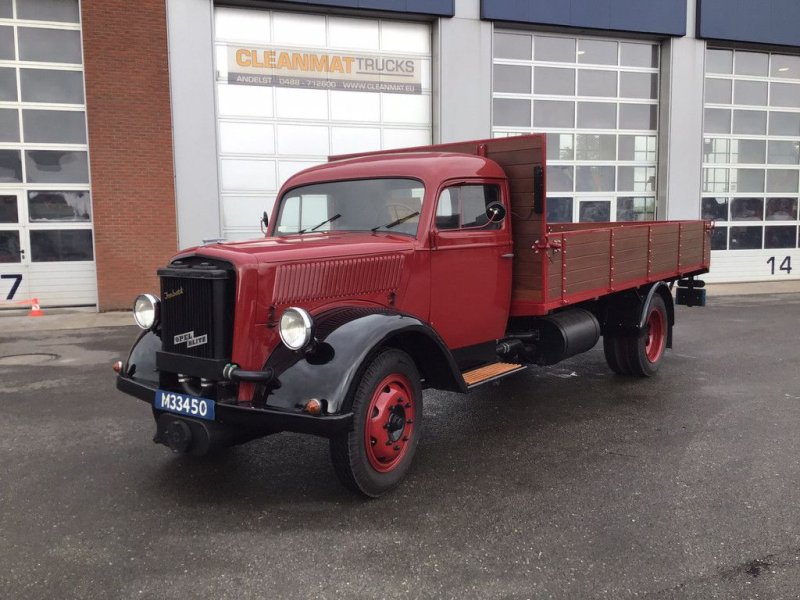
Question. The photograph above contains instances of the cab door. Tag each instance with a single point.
(14, 253)
(471, 260)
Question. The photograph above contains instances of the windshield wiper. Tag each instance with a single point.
(325, 222)
(396, 222)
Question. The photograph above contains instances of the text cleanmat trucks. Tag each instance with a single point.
(385, 273)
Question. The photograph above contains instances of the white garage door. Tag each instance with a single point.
(293, 89)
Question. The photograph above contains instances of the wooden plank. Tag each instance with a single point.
(519, 156)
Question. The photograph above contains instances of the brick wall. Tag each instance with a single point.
(130, 145)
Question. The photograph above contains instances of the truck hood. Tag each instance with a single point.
(271, 250)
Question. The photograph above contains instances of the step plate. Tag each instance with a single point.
(490, 372)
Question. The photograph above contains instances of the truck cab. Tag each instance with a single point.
(383, 274)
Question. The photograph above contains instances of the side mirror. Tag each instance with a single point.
(496, 212)
(264, 222)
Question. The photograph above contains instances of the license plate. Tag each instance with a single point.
(184, 404)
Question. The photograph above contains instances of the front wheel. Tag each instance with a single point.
(387, 408)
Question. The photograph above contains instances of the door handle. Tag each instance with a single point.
(22, 253)
(509, 255)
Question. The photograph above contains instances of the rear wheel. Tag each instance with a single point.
(640, 355)
(387, 408)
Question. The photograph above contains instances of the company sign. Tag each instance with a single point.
(311, 69)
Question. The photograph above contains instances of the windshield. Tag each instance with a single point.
(359, 205)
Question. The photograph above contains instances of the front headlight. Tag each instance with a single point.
(295, 328)
(146, 311)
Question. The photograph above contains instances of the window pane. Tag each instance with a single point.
(559, 179)
(746, 238)
(752, 63)
(554, 49)
(714, 209)
(56, 166)
(784, 152)
(784, 94)
(597, 83)
(785, 66)
(719, 238)
(61, 245)
(549, 113)
(782, 123)
(10, 166)
(43, 85)
(474, 199)
(49, 45)
(514, 113)
(8, 85)
(637, 147)
(597, 115)
(782, 180)
(636, 209)
(7, 43)
(54, 126)
(638, 55)
(715, 180)
(9, 125)
(781, 209)
(6, 11)
(559, 210)
(511, 78)
(636, 179)
(560, 146)
(637, 116)
(639, 85)
(749, 151)
(595, 211)
(597, 52)
(716, 150)
(750, 122)
(512, 45)
(750, 92)
(9, 247)
(8, 209)
(748, 180)
(65, 11)
(595, 179)
(717, 120)
(719, 61)
(784, 236)
(59, 206)
(718, 91)
(596, 147)
(747, 209)
(551, 80)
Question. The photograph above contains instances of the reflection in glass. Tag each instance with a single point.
(784, 94)
(747, 209)
(59, 206)
(49, 45)
(595, 211)
(552, 113)
(512, 45)
(512, 112)
(594, 179)
(719, 238)
(784, 152)
(559, 179)
(10, 166)
(8, 209)
(58, 245)
(753, 93)
(512, 79)
(785, 66)
(65, 11)
(597, 83)
(9, 125)
(636, 179)
(8, 85)
(559, 210)
(555, 49)
(56, 166)
(638, 116)
(750, 122)
(598, 52)
(636, 209)
(716, 150)
(638, 55)
(555, 81)
(595, 147)
(44, 85)
(717, 120)
(9, 247)
(781, 209)
(719, 61)
(782, 180)
(715, 180)
(749, 151)
(746, 238)
(54, 126)
(747, 180)
(560, 146)
(714, 209)
(718, 91)
(751, 63)
(784, 123)
(639, 85)
(783, 236)
(637, 147)
(597, 115)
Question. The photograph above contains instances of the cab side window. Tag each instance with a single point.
(464, 207)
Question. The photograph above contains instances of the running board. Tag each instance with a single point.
(489, 373)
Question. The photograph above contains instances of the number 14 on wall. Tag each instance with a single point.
(786, 265)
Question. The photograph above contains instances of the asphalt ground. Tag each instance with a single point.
(565, 482)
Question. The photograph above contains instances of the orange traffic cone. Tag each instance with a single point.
(36, 310)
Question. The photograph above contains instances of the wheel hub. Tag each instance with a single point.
(389, 426)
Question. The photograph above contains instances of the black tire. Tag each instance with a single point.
(645, 352)
(391, 393)
(611, 350)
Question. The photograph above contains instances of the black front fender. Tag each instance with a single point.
(141, 362)
(346, 340)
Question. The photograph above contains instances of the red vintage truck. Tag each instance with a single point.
(386, 273)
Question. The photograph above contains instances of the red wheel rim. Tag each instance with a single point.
(656, 338)
(389, 424)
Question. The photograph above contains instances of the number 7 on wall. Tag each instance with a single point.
(14, 286)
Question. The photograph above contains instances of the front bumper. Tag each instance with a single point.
(257, 421)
